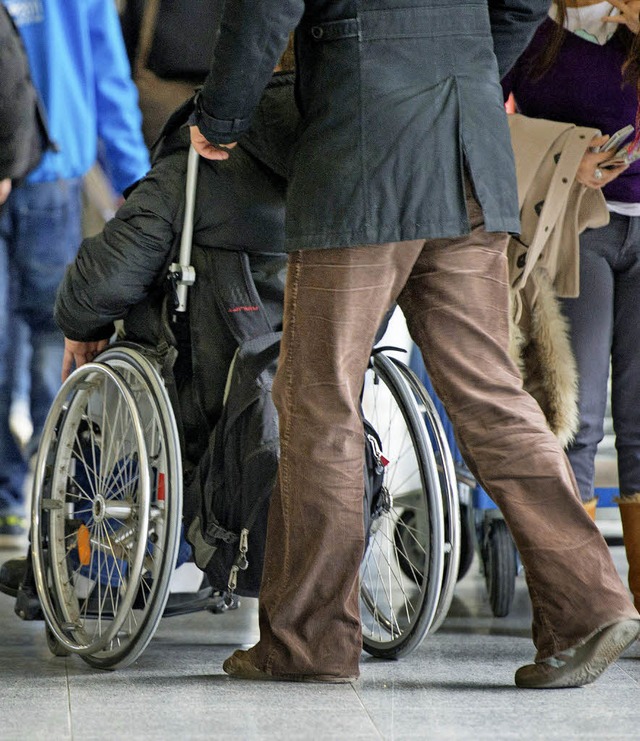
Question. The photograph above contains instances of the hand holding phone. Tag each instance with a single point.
(615, 140)
(623, 155)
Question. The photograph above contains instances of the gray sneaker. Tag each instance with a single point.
(583, 664)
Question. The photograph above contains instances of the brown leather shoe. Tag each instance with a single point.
(239, 665)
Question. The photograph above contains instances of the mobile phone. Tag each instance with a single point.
(627, 154)
(630, 157)
(615, 140)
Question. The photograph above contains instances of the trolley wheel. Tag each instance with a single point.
(500, 567)
(107, 508)
(403, 569)
(53, 644)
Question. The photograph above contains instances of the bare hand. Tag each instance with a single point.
(78, 353)
(5, 189)
(207, 150)
(630, 14)
(594, 162)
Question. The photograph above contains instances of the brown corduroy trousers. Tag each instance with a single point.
(454, 294)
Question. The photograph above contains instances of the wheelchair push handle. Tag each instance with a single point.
(182, 273)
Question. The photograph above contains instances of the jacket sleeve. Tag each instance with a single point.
(513, 23)
(118, 114)
(511, 81)
(252, 38)
(117, 268)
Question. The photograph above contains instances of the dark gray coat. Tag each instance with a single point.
(396, 97)
(23, 135)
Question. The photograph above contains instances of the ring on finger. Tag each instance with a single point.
(598, 174)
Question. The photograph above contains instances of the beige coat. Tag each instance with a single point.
(544, 259)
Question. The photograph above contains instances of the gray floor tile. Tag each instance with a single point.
(457, 685)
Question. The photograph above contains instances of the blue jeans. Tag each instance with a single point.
(21, 361)
(605, 331)
(40, 232)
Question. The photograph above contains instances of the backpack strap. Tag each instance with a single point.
(237, 298)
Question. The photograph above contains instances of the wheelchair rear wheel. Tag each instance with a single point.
(448, 489)
(107, 508)
(411, 561)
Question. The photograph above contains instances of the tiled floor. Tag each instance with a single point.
(457, 685)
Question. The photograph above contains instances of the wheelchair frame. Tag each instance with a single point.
(107, 503)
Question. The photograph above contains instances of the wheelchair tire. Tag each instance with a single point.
(403, 570)
(448, 489)
(107, 508)
(500, 567)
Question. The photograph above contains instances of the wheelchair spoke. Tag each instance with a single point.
(108, 546)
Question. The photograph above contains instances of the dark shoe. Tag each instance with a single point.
(583, 664)
(239, 665)
(12, 573)
(16, 580)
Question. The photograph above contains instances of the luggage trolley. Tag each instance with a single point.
(107, 502)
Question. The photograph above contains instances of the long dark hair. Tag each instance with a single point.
(549, 54)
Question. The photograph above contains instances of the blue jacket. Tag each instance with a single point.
(80, 68)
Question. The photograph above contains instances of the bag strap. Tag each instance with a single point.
(237, 297)
(147, 29)
(234, 289)
(555, 201)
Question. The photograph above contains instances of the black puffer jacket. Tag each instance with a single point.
(23, 136)
(121, 272)
(239, 205)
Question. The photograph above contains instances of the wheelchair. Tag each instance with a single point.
(107, 504)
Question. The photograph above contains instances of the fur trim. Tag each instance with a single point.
(628, 498)
(542, 350)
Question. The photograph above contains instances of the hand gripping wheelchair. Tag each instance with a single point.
(108, 494)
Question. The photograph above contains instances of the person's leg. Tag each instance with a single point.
(309, 604)
(590, 317)
(13, 521)
(625, 381)
(47, 240)
(625, 391)
(20, 410)
(456, 303)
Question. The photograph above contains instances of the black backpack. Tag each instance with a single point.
(376, 499)
(227, 496)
